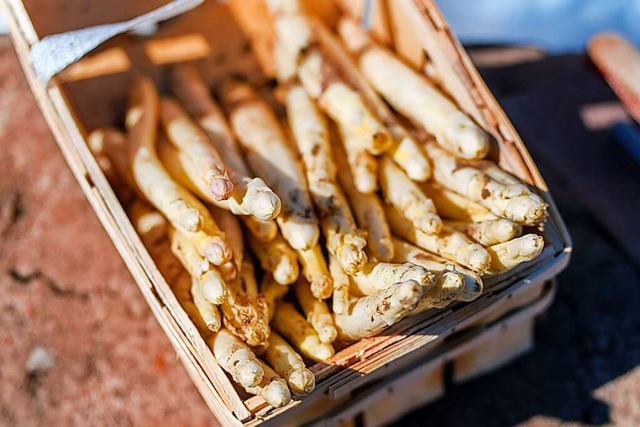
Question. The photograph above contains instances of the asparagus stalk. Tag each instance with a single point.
(370, 315)
(271, 156)
(289, 323)
(415, 97)
(316, 311)
(289, 364)
(311, 136)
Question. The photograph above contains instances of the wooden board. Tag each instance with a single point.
(495, 351)
(619, 61)
(400, 399)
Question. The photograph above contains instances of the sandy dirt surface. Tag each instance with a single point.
(78, 345)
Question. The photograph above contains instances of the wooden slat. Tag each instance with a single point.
(512, 342)
(619, 61)
(406, 44)
(401, 399)
(379, 20)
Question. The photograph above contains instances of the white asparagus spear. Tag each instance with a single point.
(276, 257)
(472, 286)
(367, 208)
(376, 277)
(406, 197)
(181, 287)
(514, 202)
(311, 136)
(370, 315)
(271, 156)
(448, 286)
(166, 195)
(208, 311)
(314, 269)
(488, 232)
(147, 173)
(363, 165)
(232, 229)
(341, 284)
(179, 206)
(316, 311)
(341, 102)
(250, 196)
(416, 97)
(289, 365)
(449, 243)
(273, 388)
(505, 256)
(183, 171)
(272, 292)
(193, 143)
(452, 205)
(294, 327)
(236, 358)
(214, 288)
(405, 150)
(179, 166)
(152, 228)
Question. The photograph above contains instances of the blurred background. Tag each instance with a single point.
(584, 370)
(556, 26)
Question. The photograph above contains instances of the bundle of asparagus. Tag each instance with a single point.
(348, 223)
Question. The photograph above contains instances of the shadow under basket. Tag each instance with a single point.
(92, 93)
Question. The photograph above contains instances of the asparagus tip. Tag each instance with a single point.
(216, 251)
(190, 220)
(262, 202)
(220, 188)
(277, 393)
(479, 258)
(327, 334)
(430, 224)
(286, 272)
(353, 258)
(301, 381)
(407, 294)
(250, 373)
(321, 287)
(418, 170)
